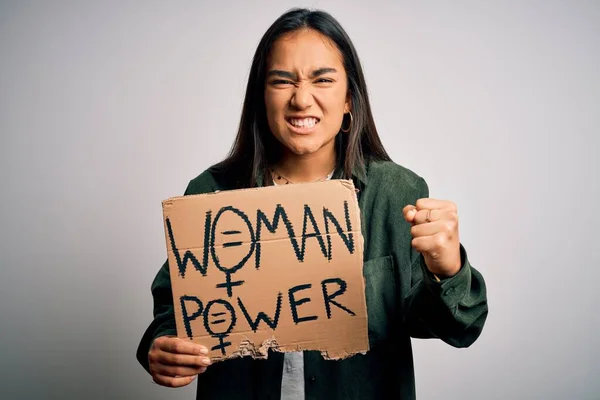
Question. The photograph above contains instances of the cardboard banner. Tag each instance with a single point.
(275, 267)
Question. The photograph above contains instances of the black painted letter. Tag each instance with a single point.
(182, 263)
(225, 329)
(308, 216)
(348, 238)
(261, 219)
(189, 318)
(262, 316)
(228, 270)
(328, 298)
(295, 303)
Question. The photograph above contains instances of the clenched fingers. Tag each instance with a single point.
(431, 245)
(427, 215)
(445, 226)
(434, 204)
(409, 213)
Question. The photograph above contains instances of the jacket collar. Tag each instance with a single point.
(359, 175)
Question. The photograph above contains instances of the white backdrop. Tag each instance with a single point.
(107, 108)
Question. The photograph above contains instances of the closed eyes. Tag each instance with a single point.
(279, 82)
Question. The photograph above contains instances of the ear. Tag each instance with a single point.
(348, 104)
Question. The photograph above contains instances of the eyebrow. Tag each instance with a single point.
(290, 75)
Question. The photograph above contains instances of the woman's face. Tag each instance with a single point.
(306, 92)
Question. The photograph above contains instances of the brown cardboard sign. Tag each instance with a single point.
(273, 267)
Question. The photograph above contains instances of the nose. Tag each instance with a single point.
(301, 98)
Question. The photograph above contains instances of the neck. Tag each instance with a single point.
(306, 168)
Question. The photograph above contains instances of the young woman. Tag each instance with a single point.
(306, 117)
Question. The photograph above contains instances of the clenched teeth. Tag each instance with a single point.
(303, 122)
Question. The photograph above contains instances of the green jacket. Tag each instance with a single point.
(403, 301)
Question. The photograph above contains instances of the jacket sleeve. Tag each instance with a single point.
(164, 313)
(453, 309)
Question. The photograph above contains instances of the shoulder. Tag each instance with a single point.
(213, 179)
(388, 176)
(203, 183)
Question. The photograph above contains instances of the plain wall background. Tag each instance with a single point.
(107, 108)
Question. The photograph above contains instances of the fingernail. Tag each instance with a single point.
(203, 350)
(194, 377)
(205, 360)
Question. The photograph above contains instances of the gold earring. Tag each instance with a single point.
(350, 125)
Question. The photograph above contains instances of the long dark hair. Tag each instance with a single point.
(255, 148)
